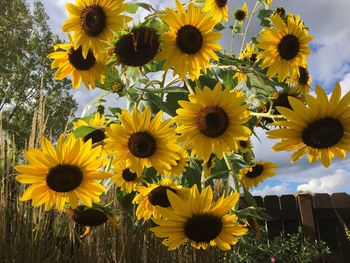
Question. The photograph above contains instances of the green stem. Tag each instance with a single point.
(257, 5)
(265, 114)
(188, 86)
(233, 36)
(231, 171)
(198, 84)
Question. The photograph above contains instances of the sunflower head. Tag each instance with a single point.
(301, 80)
(125, 178)
(87, 216)
(245, 145)
(241, 14)
(65, 173)
(249, 54)
(181, 164)
(190, 43)
(318, 128)
(137, 47)
(153, 195)
(199, 220)
(98, 122)
(218, 9)
(212, 120)
(93, 23)
(256, 173)
(143, 141)
(284, 47)
(70, 61)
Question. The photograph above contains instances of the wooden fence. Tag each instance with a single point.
(318, 215)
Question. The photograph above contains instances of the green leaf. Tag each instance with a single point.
(172, 101)
(115, 111)
(207, 81)
(83, 131)
(264, 15)
(248, 197)
(219, 27)
(132, 8)
(125, 199)
(155, 103)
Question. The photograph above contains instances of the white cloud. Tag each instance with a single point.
(345, 84)
(336, 182)
(273, 190)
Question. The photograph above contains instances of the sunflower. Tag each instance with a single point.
(218, 9)
(93, 23)
(285, 47)
(144, 142)
(301, 79)
(245, 146)
(256, 173)
(153, 195)
(90, 217)
(249, 53)
(212, 120)
(98, 135)
(123, 177)
(199, 220)
(241, 77)
(69, 60)
(320, 128)
(65, 173)
(181, 164)
(241, 14)
(137, 47)
(190, 42)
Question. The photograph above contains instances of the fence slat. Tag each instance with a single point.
(306, 216)
(327, 228)
(342, 200)
(272, 204)
(290, 214)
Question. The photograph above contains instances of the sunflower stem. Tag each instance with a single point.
(267, 115)
(231, 171)
(109, 165)
(188, 86)
(233, 36)
(257, 5)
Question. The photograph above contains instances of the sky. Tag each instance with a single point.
(329, 63)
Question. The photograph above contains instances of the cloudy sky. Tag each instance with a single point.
(329, 63)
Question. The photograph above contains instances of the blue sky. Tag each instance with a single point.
(330, 62)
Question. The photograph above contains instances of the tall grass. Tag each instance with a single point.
(30, 234)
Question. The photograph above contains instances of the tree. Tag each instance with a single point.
(25, 42)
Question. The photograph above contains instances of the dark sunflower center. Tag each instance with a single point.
(240, 14)
(93, 20)
(323, 133)
(212, 121)
(97, 135)
(289, 47)
(221, 3)
(128, 175)
(203, 228)
(243, 144)
(142, 144)
(138, 47)
(303, 76)
(64, 178)
(253, 57)
(89, 217)
(256, 171)
(159, 197)
(281, 101)
(77, 60)
(189, 39)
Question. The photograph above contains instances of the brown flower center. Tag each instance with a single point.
(323, 133)
(93, 20)
(303, 76)
(255, 172)
(77, 60)
(221, 3)
(281, 101)
(88, 217)
(64, 178)
(203, 228)
(138, 47)
(158, 196)
(243, 144)
(97, 135)
(128, 175)
(240, 15)
(142, 144)
(212, 121)
(189, 39)
(289, 47)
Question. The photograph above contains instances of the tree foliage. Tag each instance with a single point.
(25, 42)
